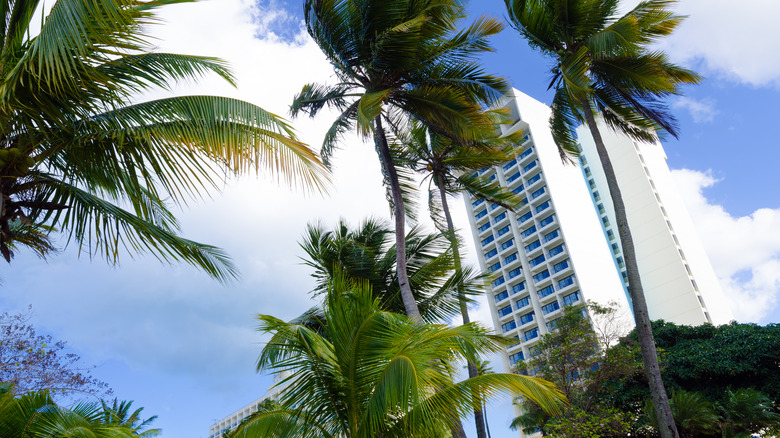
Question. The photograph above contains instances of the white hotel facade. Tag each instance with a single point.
(559, 247)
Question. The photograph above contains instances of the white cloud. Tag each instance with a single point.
(701, 111)
(744, 251)
(721, 38)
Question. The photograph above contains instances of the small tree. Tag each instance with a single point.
(32, 362)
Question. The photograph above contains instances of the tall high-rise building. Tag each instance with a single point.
(558, 247)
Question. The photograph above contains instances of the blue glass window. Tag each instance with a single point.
(558, 267)
(531, 334)
(487, 240)
(508, 326)
(548, 308)
(524, 217)
(503, 231)
(550, 236)
(494, 267)
(528, 231)
(514, 176)
(523, 302)
(491, 253)
(545, 291)
(534, 178)
(543, 206)
(571, 298)
(555, 251)
(526, 153)
(537, 260)
(514, 273)
(510, 164)
(515, 358)
(507, 244)
(566, 282)
(510, 259)
(547, 221)
(494, 206)
(477, 202)
(519, 189)
(499, 218)
(504, 311)
(492, 178)
(537, 193)
(530, 166)
(532, 246)
(484, 227)
(501, 297)
(528, 317)
(498, 282)
(481, 214)
(541, 276)
(518, 288)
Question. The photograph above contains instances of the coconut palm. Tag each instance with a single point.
(77, 157)
(376, 373)
(36, 415)
(120, 413)
(368, 252)
(450, 166)
(394, 59)
(602, 65)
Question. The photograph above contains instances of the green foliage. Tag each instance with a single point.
(368, 253)
(599, 422)
(376, 373)
(78, 157)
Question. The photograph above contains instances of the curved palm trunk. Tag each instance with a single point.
(380, 140)
(666, 426)
(479, 420)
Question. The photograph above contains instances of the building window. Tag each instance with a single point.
(519, 189)
(523, 302)
(507, 244)
(536, 261)
(492, 178)
(487, 240)
(508, 326)
(515, 358)
(498, 282)
(522, 203)
(528, 231)
(571, 298)
(530, 166)
(605, 221)
(547, 221)
(481, 214)
(534, 179)
(477, 202)
(513, 177)
(514, 273)
(495, 267)
(509, 164)
(494, 206)
(531, 334)
(541, 276)
(518, 288)
(601, 208)
(549, 308)
(551, 325)
(615, 248)
(566, 282)
(596, 196)
(544, 292)
(499, 218)
(501, 297)
(528, 317)
(558, 267)
(524, 217)
(490, 254)
(543, 206)
(621, 263)
(510, 259)
(592, 184)
(504, 311)
(503, 231)
(611, 234)
(537, 193)
(535, 244)
(555, 251)
(588, 173)
(550, 236)
(526, 153)
(484, 227)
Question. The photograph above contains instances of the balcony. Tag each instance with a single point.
(547, 221)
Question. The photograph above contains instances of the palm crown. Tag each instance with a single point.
(77, 157)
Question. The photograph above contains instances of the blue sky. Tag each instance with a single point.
(184, 346)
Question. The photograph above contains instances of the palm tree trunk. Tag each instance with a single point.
(380, 140)
(666, 426)
(479, 420)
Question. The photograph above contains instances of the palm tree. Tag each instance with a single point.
(36, 415)
(451, 165)
(77, 157)
(119, 413)
(601, 63)
(368, 253)
(396, 59)
(376, 373)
